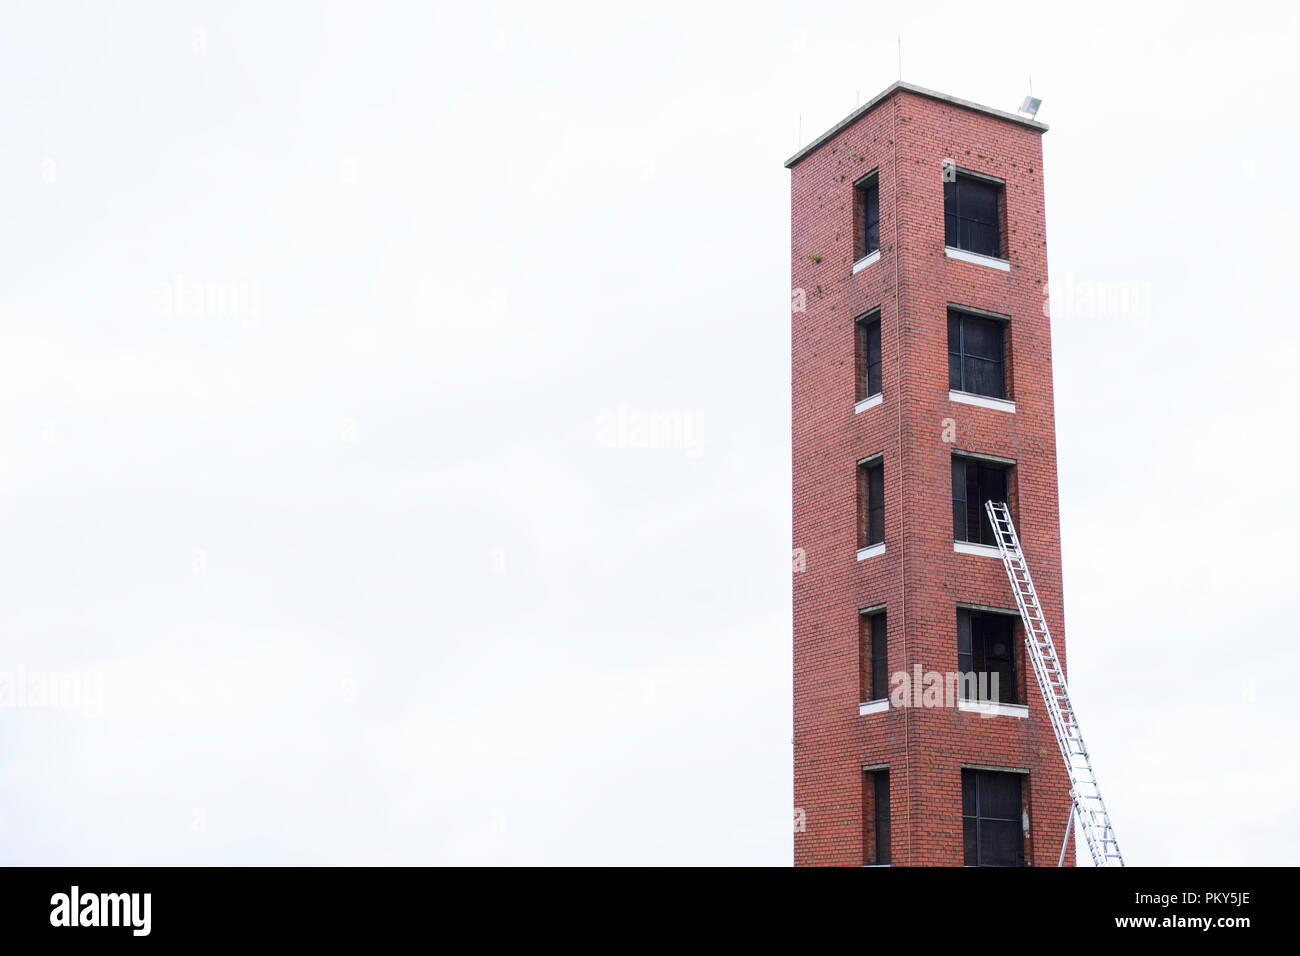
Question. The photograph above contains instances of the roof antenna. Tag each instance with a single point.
(900, 58)
(1030, 106)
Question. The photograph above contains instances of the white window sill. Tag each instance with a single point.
(866, 403)
(983, 401)
(866, 261)
(873, 706)
(875, 866)
(982, 550)
(993, 709)
(871, 551)
(991, 261)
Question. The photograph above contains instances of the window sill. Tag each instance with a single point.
(990, 708)
(873, 706)
(982, 550)
(875, 866)
(983, 401)
(871, 551)
(866, 261)
(866, 403)
(952, 252)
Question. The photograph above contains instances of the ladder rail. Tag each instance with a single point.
(1087, 805)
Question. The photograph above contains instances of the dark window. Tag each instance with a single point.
(992, 828)
(882, 817)
(986, 647)
(876, 817)
(868, 212)
(874, 656)
(975, 353)
(974, 483)
(868, 356)
(871, 510)
(970, 215)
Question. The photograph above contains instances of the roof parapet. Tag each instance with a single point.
(902, 86)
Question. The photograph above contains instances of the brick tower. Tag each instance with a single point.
(922, 387)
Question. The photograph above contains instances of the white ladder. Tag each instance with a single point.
(1085, 795)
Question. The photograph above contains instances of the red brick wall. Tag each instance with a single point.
(919, 578)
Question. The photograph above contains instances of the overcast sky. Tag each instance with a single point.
(327, 335)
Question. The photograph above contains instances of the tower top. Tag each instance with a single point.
(903, 86)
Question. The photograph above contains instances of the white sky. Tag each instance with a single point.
(359, 572)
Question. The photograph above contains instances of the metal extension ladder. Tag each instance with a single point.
(1085, 794)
